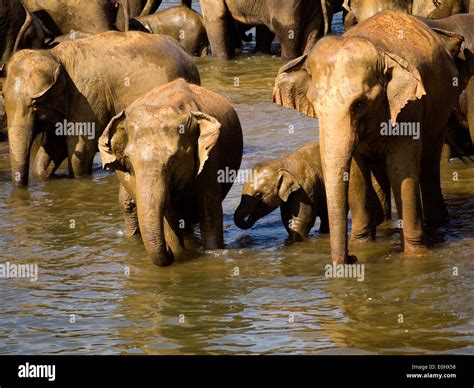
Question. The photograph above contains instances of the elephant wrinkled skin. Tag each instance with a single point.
(294, 183)
(70, 93)
(168, 148)
(373, 78)
(296, 23)
(360, 10)
(19, 29)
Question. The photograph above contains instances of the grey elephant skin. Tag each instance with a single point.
(373, 78)
(296, 23)
(136, 8)
(19, 29)
(63, 16)
(168, 149)
(295, 184)
(81, 84)
(181, 23)
(360, 10)
(461, 129)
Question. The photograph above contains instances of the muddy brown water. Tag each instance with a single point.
(97, 292)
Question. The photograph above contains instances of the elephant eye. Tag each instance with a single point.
(359, 106)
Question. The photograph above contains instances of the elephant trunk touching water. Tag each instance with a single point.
(168, 148)
(151, 199)
(384, 100)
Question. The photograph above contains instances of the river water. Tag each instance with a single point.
(97, 291)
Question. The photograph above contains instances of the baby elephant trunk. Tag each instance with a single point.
(243, 216)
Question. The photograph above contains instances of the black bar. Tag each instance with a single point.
(310, 371)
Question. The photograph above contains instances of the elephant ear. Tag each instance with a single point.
(451, 41)
(209, 131)
(55, 80)
(292, 85)
(112, 142)
(405, 83)
(287, 184)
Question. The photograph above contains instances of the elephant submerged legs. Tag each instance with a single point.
(51, 153)
(210, 210)
(81, 152)
(404, 173)
(434, 208)
(364, 203)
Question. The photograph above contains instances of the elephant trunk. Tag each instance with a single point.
(336, 154)
(243, 215)
(20, 141)
(151, 195)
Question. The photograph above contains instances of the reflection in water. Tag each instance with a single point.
(99, 293)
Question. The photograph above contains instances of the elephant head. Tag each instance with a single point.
(268, 187)
(162, 150)
(35, 98)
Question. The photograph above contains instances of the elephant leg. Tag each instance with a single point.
(381, 185)
(219, 32)
(49, 156)
(81, 152)
(289, 41)
(298, 217)
(403, 168)
(210, 210)
(434, 208)
(324, 223)
(129, 209)
(264, 39)
(363, 201)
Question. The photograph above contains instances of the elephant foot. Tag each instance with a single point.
(295, 236)
(350, 259)
(164, 262)
(415, 250)
(362, 237)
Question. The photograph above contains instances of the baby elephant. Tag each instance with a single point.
(168, 148)
(294, 183)
(181, 23)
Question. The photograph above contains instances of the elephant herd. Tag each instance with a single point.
(394, 97)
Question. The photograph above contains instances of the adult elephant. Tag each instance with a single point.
(70, 93)
(360, 10)
(91, 16)
(168, 149)
(296, 23)
(136, 8)
(383, 97)
(19, 29)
